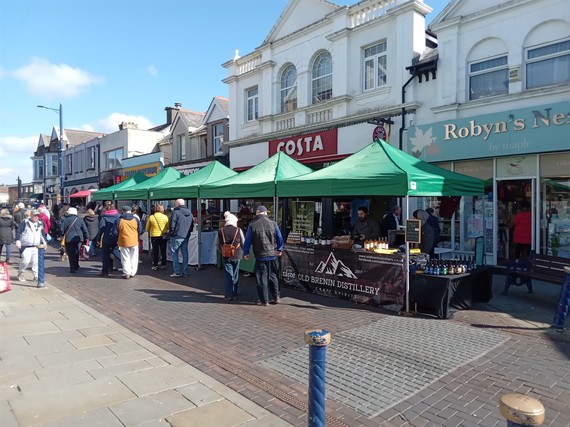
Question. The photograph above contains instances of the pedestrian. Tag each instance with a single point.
(391, 221)
(44, 217)
(157, 227)
(433, 221)
(75, 232)
(230, 233)
(92, 222)
(29, 235)
(7, 227)
(522, 233)
(128, 228)
(265, 237)
(426, 237)
(107, 240)
(19, 213)
(180, 228)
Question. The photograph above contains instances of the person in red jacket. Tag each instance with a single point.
(522, 234)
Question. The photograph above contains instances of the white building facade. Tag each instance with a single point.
(499, 110)
(324, 81)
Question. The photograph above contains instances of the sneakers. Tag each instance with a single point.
(21, 278)
(154, 267)
(176, 275)
(41, 286)
(277, 300)
(163, 267)
(258, 302)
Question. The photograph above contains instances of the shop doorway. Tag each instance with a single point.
(513, 196)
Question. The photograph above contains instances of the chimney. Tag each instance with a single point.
(128, 125)
(171, 112)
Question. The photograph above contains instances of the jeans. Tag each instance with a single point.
(231, 276)
(109, 253)
(92, 248)
(177, 246)
(158, 245)
(267, 279)
(8, 251)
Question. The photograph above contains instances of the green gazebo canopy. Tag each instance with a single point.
(107, 193)
(259, 181)
(188, 187)
(380, 169)
(141, 191)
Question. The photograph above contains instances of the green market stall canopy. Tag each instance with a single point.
(259, 181)
(380, 169)
(188, 187)
(107, 193)
(141, 190)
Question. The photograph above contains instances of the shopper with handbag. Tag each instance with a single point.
(75, 233)
(29, 235)
(157, 227)
(231, 241)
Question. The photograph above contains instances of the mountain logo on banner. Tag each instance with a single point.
(334, 267)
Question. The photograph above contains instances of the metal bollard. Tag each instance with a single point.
(41, 269)
(563, 302)
(521, 410)
(318, 340)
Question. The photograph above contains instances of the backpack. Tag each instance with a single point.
(229, 249)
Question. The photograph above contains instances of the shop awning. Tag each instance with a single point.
(37, 196)
(82, 193)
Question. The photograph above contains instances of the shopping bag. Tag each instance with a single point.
(4, 278)
(84, 252)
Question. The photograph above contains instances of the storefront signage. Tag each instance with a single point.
(379, 132)
(362, 277)
(149, 169)
(413, 231)
(531, 130)
(307, 146)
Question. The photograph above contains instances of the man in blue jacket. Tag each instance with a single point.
(181, 226)
(265, 236)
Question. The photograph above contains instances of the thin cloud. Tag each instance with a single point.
(152, 71)
(15, 154)
(111, 123)
(48, 80)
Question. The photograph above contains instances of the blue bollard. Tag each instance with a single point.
(521, 410)
(41, 269)
(563, 302)
(318, 340)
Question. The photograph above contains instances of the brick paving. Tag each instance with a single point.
(408, 374)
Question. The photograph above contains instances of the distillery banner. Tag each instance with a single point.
(363, 277)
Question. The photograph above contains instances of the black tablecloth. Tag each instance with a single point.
(435, 294)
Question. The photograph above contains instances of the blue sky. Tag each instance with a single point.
(109, 61)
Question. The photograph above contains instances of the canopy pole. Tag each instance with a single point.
(276, 209)
(407, 266)
(199, 210)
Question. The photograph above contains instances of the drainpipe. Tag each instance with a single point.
(401, 132)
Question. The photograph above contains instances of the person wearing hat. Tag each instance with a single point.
(128, 228)
(19, 213)
(265, 237)
(29, 235)
(230, 233)
(76, 233)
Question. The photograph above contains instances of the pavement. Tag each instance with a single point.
(158, 351)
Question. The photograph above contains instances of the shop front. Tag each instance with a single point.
(523, 155)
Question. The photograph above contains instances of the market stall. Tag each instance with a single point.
(202, 246)
(107, 193)
(259, 182)
(380, 169)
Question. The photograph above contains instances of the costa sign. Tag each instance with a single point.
(307, 146)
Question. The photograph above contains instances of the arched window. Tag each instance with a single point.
(322, 78)
(289, 89)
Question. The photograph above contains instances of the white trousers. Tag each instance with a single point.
(27, 256)
(129, 260)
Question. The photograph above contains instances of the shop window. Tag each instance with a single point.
(322, 78)
(181, 147)
(69, 164)
(548, 64)
(218, 131)
(252, 104)
(113, 158)
(375, 64)
(488, 78)
(289, 89)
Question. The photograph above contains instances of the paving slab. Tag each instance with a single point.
(156, 380)
(219, 414)
(101, 417)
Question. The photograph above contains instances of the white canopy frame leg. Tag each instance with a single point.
(407, 266)
(199, 225)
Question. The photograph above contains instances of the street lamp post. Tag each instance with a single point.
(60, 160)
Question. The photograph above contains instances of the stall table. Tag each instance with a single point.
(435, 295)
(209, 243)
